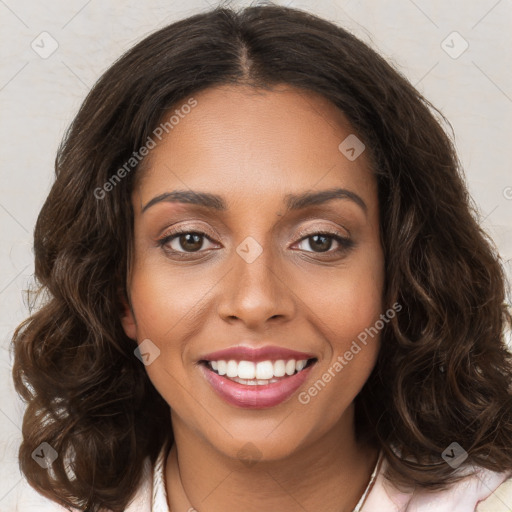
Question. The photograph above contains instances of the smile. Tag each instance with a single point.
(258, 374)
(251, 378)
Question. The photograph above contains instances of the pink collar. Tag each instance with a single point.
(462, 496)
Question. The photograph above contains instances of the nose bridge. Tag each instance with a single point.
(256, 291)
(255, 266)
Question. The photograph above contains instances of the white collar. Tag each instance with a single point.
(159, 495)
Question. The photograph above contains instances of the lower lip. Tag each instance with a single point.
(255, 397)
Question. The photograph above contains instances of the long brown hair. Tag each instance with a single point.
(443, 373)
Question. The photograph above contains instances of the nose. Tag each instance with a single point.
(255, 292)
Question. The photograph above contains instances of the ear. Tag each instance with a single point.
(128, 318)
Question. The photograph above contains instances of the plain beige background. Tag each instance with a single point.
(467, 75)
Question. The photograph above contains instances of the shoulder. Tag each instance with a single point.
(500, 500)
(483, 491)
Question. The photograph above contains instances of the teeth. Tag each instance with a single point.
(261, 373)
(232, 369)
(280, 368)
(246, 370)
(255, 382)
(264, 370)
(221, 367)
(290, 367)
(299, 365)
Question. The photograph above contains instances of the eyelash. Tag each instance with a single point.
(345, 244)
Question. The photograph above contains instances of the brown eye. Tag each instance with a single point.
(322, 242)
(190, 241)
(184, 241)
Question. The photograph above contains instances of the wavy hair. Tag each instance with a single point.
(443, 373)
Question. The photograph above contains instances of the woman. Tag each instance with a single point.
(265, 288)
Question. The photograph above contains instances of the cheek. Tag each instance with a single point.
(347, 310)
(171, 305)
(348, 321)
(158, 309)
(164, 297)
(350, 299)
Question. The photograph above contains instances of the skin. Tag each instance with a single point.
(253, 148)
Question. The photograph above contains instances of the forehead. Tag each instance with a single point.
(242, 142)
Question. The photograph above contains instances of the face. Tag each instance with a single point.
(231, 289)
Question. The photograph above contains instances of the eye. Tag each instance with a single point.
(321, 242)
(189, 241)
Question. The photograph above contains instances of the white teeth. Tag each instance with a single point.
(221, 367)
(246, 370)
(280, 368)
(290, 367)
(260, 373)
(232, 369)
(264, 370)
(254, 382)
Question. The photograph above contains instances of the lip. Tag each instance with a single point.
(255, 397)
(256, 355)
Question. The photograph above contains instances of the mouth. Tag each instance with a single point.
(262, 373)
(256, 384)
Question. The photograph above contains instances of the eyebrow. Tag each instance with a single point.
(292, 201)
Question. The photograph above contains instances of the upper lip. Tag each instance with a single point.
(247, 353)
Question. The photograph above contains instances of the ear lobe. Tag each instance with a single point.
(128, 319)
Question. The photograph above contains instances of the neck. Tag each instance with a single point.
(329, 474)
